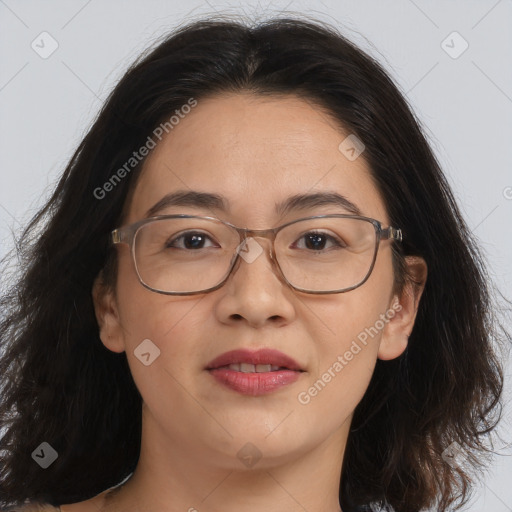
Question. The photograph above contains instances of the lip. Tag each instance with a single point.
(262, 356)
(255, 384)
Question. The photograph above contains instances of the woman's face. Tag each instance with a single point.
(255, 152)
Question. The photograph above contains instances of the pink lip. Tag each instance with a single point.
(254, 384)
(262, 356)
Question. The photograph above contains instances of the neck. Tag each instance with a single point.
(172, 477)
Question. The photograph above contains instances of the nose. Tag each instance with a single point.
(255, 292)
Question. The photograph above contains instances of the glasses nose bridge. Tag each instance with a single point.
(269, 234)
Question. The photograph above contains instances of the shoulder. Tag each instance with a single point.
(92, 504)
(31, 507)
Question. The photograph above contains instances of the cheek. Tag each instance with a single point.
(353, 324)
(144, 313)
(161, 354)
(356, 315)
(161, 325)
(345, 366)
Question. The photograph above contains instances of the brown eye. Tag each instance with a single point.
(191, 240)
(317, 241)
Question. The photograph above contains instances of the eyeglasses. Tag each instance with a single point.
(188, 254)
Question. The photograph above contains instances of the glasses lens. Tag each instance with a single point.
(184, 254)
(326, 254)
(194, 254)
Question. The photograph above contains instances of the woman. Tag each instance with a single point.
(253, 290)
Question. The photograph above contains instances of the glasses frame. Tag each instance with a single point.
(127, 234)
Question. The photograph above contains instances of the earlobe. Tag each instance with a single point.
(107, 316)
(395, 336)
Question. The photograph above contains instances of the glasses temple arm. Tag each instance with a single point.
(391, 233)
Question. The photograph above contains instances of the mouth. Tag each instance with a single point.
(253, 368)
(254, 373)
(260, 361)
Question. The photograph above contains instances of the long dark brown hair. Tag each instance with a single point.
(60, 385)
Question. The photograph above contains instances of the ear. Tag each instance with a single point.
(107, 316)
(395, 335)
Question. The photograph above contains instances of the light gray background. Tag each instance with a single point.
(465, 103)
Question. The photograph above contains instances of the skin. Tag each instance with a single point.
(255, 151)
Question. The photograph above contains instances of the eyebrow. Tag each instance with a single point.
(298, 202)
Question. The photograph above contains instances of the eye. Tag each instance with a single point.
(190, 240)
(317, 241)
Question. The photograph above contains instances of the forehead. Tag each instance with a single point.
(256, 152)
